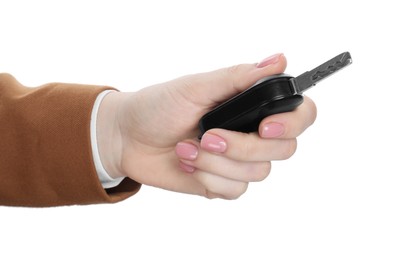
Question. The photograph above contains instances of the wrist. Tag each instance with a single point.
(109, 138)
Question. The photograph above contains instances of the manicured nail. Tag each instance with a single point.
(186, 168)
(269, 60)
(186, 151)
(272, 130)
(213, 143)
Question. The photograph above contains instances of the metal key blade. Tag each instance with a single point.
(310, 78)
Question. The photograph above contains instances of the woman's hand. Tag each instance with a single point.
(150, 136)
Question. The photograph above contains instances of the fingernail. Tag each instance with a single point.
(187, 168)
(272, 130)
(269, 60)
(186, 151)
(213, 143)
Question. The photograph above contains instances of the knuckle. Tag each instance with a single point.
(210, 195)
(261, 172)
(229, 190)
(233, 69)
(290, 149)
(246, 151)
(234, 75)
(312, 110)
(248, 147)
(236, 191)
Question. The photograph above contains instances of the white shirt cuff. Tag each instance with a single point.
(105, 179)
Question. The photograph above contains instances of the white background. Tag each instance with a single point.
(350, 191)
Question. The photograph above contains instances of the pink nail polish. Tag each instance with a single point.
(269, 60)
(272, 130)
(213, 143)
(187, 168)
(186, 151)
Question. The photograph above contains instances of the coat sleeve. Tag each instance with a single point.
(45, 149)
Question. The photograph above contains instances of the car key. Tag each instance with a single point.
(271, 95)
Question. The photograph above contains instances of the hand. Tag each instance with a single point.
(150, 135)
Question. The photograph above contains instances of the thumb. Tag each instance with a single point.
(213, 87)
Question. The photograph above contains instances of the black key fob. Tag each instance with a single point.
(271, 95)
(244, 112)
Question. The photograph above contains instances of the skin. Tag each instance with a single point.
(150, 135)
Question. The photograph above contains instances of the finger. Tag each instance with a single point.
(214, 87)
(220, 187)
(247, 147)
(290, 124)
(228, 168)
(162, 175)
(191, 158)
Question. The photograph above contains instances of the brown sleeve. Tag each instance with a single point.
(45, 150)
